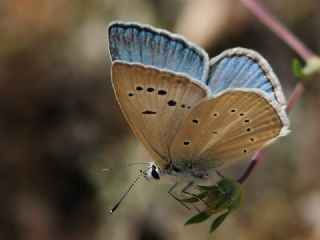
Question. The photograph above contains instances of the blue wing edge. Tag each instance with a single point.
(169, 35)
(263, 64)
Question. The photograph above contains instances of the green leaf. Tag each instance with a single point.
(312, 67)
(223, 203)
(195, 199)
(208, 188)
(217, 222)
(232, 194)
(198, 218)
(297, 68)
(224, 197)
(229, 186)
(236, 202)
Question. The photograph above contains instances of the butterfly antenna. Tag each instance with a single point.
(124, 195)
(127, 165)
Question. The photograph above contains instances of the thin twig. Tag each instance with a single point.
(278, 29)
(298, 46)
(295, 95)
(253, 163)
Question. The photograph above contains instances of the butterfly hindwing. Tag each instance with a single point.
(155, 103)
(228, 127)
(243, 68)
(143, 44)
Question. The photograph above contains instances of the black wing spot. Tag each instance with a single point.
(149, 112)
(244, 150)
(150, 89)
(162, 92)
(130, 94)
(214, 132)
(215, 114)
(248, 130)
(186, 143)
(252, 139)
(172, 103)
(139, 88)
(183, 105)
(195, 120)
(233, 110)
(247, 120)
(241, 114)
(189, 107)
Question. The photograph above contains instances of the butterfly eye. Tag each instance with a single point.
(155, 174)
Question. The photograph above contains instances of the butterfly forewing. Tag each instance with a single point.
(228, 127)
(143, 44)
(155, 103)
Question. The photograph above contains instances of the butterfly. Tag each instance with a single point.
(193, 114)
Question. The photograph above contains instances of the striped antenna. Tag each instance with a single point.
(126, 193)
(127, 165)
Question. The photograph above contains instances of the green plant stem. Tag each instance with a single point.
(296, 44)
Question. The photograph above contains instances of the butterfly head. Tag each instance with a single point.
(153, 172)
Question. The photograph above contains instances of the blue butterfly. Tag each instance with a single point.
(193, 114)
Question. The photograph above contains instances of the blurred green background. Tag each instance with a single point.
(60, 125)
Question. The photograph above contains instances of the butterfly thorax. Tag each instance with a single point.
(190, 171)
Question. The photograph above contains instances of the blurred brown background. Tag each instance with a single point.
(60, 125)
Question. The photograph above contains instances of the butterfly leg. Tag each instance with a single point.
(220, 174)
(222, 177)
(179, 200)
(184, 190)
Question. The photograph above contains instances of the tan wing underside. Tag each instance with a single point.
(155, 104)
(226, 128)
